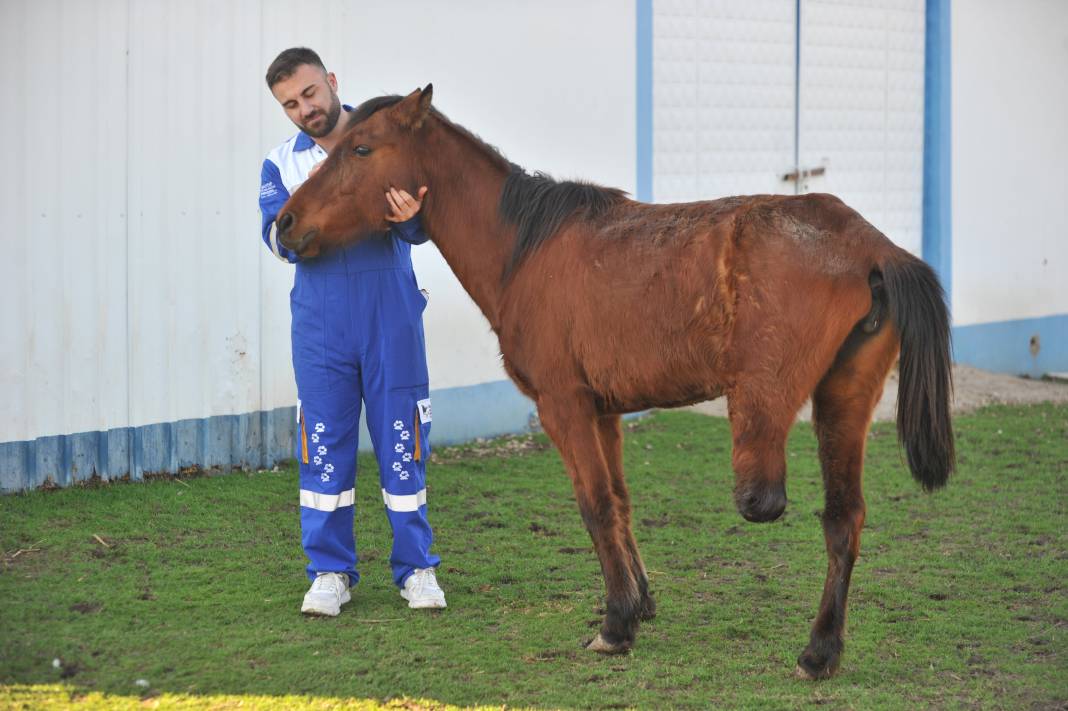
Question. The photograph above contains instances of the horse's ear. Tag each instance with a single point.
(413, 110)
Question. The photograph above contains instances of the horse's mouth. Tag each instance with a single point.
(307, 239)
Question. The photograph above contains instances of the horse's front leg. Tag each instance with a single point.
(573, 426)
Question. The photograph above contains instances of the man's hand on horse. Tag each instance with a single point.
(403, 205)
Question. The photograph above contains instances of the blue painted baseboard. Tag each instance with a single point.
(251, 440)
(1005, 346)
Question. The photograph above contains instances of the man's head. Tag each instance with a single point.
(306, 91)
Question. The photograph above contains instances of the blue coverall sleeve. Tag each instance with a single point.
(411, 231)
(273, 196)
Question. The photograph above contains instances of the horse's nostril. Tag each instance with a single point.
(285, 222)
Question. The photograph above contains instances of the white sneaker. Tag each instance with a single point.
(421, 590)
(329, 591)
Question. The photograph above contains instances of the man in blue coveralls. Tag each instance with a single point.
(357, 335)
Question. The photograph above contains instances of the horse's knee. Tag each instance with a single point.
(760, 501)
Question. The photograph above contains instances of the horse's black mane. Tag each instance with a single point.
(538, 205)
(368, 108)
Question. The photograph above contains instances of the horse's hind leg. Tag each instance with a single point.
(842, 407)
(611, 434)
(573, 426)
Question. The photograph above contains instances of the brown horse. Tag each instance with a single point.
(605, 306)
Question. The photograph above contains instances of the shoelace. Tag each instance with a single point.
(327, 583)
(424, 579)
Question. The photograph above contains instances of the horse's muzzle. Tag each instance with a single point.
(286, 237)
(304, 241)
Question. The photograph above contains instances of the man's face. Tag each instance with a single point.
(309, 98)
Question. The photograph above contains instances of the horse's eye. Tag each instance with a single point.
(362, 150)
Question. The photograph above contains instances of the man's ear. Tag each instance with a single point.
(332, 81)
(412, 111)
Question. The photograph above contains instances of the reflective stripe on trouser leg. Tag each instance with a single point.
(327, 485)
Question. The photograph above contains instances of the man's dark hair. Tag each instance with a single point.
(286, 63)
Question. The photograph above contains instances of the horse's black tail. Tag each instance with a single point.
(918, 310)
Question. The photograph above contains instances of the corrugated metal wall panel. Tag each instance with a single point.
(196, 266)
(44, 290)
(145, 328)
(14, 267)
(64, 364)
(135, 283)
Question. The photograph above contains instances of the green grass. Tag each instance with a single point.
(959, 599)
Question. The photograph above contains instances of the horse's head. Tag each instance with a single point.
(344, 201)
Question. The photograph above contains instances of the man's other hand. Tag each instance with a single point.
(404, 207)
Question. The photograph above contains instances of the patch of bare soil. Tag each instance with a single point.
(509, 445)
(972, 389)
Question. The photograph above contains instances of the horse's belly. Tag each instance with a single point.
(641, 378)
(640, 403)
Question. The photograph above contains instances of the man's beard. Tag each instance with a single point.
(331, 119)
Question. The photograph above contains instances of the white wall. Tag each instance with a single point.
(137, 290)
(1009, 69)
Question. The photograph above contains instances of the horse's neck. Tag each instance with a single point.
(461, 217)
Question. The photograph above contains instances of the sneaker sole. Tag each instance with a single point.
(429, 605)
(424, 604)
(315, 612)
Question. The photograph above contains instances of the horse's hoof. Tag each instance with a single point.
(648, 609)
(809, 670)
(600, 645)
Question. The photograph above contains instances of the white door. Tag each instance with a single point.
(723, 98)
(740, 108)
(861, 109)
